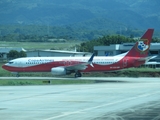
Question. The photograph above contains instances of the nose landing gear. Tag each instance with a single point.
(15, 74)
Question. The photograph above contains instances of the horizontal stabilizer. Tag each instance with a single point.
(147, 58)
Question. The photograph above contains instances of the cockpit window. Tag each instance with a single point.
(10, 62)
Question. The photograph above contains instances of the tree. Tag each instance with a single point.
(22, 54)
(15, 54)
(104, 41)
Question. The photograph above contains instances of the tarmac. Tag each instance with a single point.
(112, 99)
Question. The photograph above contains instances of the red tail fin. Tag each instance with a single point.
(141, 48)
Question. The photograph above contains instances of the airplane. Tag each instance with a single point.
(135, 57)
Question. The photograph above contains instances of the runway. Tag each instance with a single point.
(129, 98)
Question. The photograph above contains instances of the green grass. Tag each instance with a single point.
(143, 69)
(69, 45)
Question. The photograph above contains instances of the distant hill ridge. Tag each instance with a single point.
(90, 15)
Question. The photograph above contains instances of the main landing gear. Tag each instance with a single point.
(77, 74)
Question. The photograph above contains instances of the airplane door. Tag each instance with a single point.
(125, 62)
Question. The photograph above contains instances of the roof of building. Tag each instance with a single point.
(7, 49)
(125, 46)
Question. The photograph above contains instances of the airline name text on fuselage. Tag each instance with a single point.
(40, 60)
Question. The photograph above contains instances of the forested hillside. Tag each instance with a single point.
(77, 19)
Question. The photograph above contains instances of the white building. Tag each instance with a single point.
(115, 49)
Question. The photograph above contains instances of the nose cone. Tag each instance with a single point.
(4, 67)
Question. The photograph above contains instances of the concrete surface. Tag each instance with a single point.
(128, 99)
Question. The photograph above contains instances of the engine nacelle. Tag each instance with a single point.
(58, 71)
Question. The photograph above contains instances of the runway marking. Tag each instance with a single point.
(100, 106)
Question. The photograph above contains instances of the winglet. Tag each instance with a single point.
(91, 59)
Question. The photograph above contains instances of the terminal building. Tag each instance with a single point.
(115, 49)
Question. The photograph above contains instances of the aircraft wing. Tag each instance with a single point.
(147, 58)
(81, 66)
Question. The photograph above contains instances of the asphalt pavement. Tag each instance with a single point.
(123, 99)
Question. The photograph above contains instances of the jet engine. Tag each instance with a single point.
(59, 71)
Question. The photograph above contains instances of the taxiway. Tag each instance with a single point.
(128, 98)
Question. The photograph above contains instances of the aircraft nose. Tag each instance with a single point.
(4, 67)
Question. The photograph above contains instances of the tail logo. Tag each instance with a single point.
(143, 45)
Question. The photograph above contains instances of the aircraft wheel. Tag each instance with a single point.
(78, 74)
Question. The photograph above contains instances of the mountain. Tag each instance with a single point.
(80, 14)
